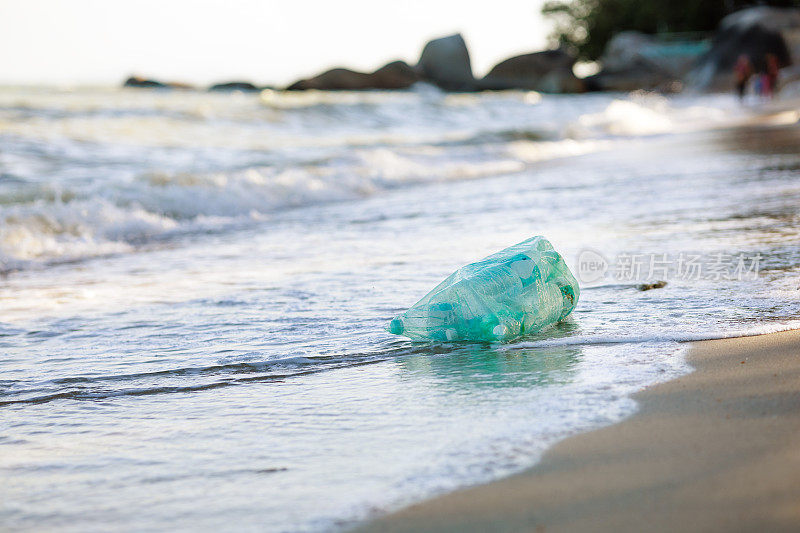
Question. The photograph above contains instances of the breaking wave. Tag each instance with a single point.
(88, 174)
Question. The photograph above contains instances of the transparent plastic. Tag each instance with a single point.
(520, 290)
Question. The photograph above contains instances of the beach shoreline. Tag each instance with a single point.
(202, 304)
(714, 450)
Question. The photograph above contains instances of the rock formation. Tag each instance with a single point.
(549, 71)
(394, 75)
(445, 62)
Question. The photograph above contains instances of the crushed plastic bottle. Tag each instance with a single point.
(520, 290)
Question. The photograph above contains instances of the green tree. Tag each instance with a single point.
(587, 25)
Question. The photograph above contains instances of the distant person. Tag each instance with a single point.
(743, 71)
(771, 77)
(758, 85)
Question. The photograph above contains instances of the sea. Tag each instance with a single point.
(195, 289)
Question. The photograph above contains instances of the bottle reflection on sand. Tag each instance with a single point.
(480, 367)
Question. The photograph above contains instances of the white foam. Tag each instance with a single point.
(70, 230)
(648, 114)
(660, 337)
(90, 221)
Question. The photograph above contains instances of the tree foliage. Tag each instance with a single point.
(587, 25)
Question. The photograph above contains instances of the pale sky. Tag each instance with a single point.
(268, 42)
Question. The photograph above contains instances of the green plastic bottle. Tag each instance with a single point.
(520, 290)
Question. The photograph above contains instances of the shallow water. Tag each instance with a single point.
(195, 288)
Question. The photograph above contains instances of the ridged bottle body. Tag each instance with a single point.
(517, 291)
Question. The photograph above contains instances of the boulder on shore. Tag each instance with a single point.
(445, 62)
(244, 86)
(549, 71)
(394, 75)
(754, 33)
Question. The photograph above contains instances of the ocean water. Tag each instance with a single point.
(195, 286)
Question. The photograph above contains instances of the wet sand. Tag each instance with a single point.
(716, 450)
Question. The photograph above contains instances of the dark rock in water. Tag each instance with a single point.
(145, 83)
(752, 32)
(332, 80)
(244, 86)
(180, 85)
(445, 62)
(549, 71)
(395, 75)
(651, 286)
(136, 81)
(635, 61)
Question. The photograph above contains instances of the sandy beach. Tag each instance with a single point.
(716, 450)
